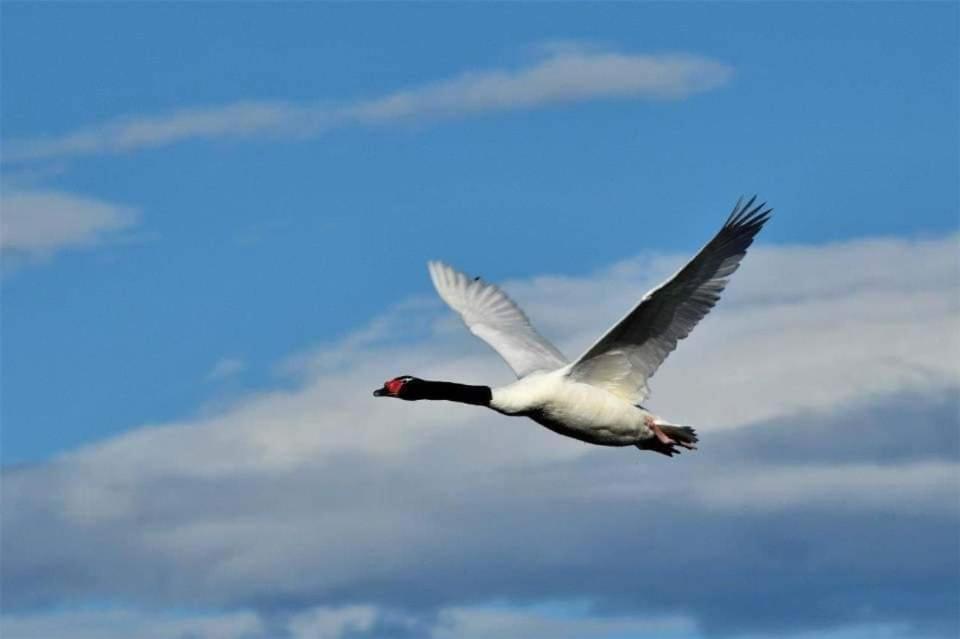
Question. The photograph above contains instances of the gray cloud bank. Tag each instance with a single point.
(564, 75)
(825, 494)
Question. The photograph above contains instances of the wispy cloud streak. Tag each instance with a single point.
(224, 368)
(39, 223)
(564, 75)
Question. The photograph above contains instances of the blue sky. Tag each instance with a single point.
(214, 208)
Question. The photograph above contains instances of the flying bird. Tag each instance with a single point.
(596, 398)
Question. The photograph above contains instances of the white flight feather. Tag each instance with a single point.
(493, 317)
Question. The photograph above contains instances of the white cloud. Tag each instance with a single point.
(345, 622)
(226, 367)
(330, 623)
(321, 494)
(912, 486)
(565, 74)
(137, 132)
(482, 623)
(122, 624)
(38, 223)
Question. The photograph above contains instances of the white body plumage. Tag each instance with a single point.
(576, 409)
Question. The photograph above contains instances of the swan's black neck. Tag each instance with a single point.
(450, 391)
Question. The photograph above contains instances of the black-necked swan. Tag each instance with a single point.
(596, 398)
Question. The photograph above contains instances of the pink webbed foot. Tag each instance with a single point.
(661, 436)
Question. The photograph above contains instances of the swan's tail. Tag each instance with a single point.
(682, 436)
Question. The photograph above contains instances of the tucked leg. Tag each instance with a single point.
(658, 432)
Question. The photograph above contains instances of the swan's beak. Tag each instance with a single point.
(380, 392)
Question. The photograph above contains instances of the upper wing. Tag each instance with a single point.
(496, 319)
(629, 353)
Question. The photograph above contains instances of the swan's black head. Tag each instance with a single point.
(403, 387)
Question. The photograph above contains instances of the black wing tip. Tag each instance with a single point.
(748, 216)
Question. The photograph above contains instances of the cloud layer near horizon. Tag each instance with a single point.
(565, 74)
(824, 386)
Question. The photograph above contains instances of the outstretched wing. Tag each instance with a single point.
(496, 319)
(630, 353)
